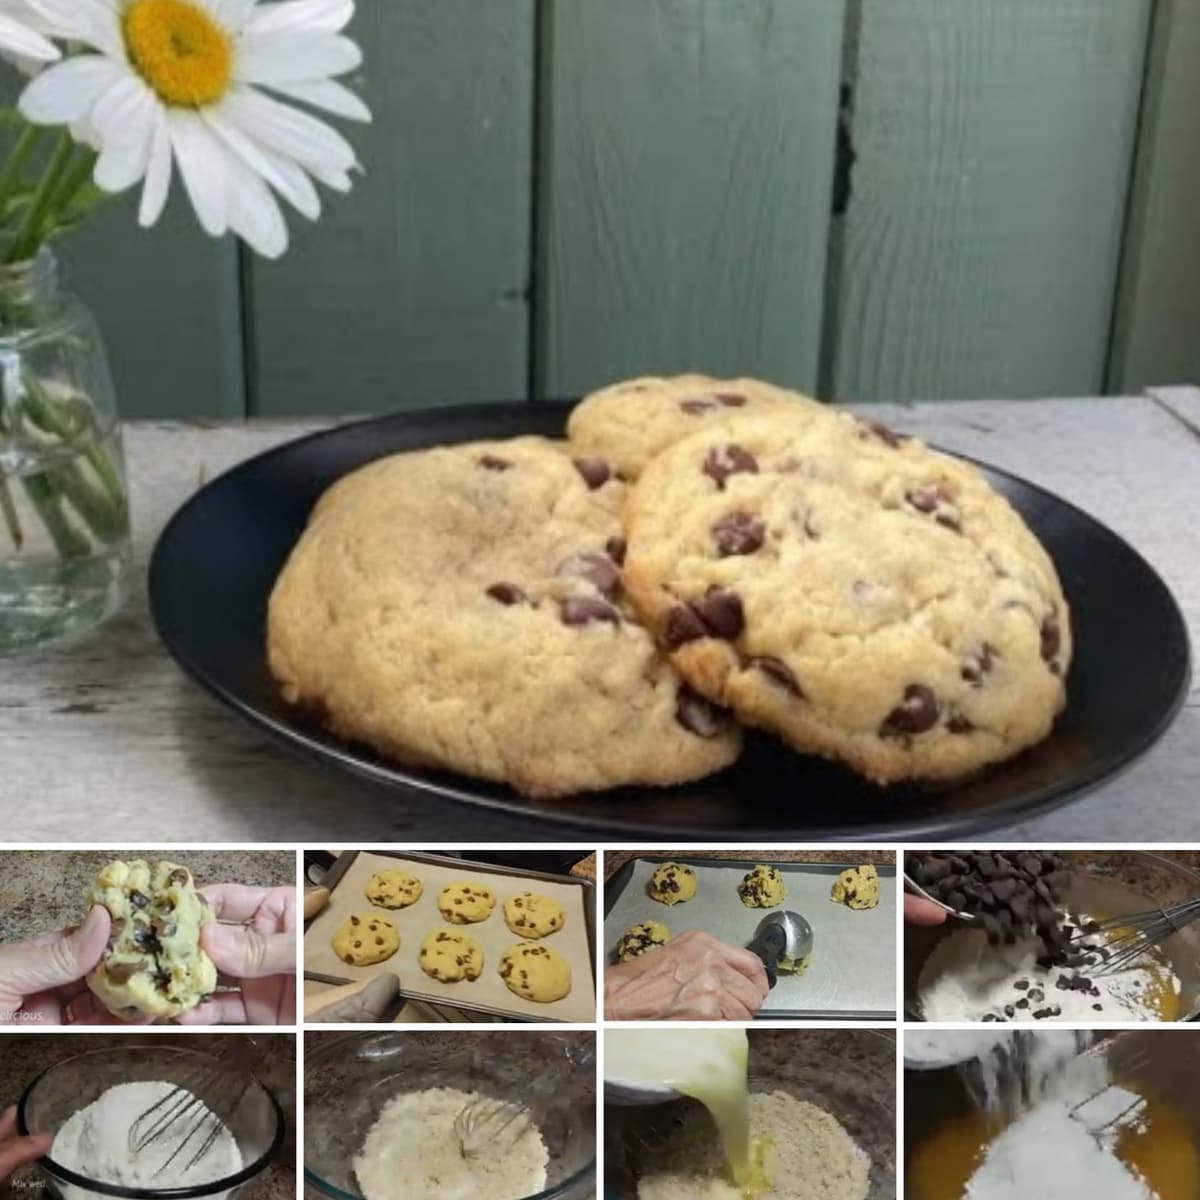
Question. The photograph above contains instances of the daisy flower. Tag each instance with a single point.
(165, 83)
(22, 39)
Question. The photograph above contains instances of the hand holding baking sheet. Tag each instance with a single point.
(253, 943)
(693, 978)
(369, 1003)
(42, 978)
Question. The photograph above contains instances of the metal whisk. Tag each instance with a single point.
(193, 1114)
(1131, 937)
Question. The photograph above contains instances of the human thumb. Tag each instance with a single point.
(58, 959)
(370, 1004)
(245, 953)
(22, 1150)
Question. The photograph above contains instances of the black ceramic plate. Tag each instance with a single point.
(216, 562)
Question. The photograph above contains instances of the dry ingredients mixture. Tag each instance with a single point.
(94, 1142)
(808, 1156)
(1078, 1136)
(413, 1153)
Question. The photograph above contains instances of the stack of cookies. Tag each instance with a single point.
(698, 555)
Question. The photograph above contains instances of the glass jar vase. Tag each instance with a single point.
(64, 508)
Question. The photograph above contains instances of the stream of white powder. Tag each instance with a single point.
(94, 1142)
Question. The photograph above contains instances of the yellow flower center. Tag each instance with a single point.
(179, 50)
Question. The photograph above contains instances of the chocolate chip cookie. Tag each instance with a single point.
(535, 972)
(466, 903)
(672, 883)
(463, 608)
(641, 939)
(449, 956)
(857, 887)
(627, 424)
(860, 595)
(154, 963)
(363, 940)
(532, 916)
(762, 887)
(393, 889)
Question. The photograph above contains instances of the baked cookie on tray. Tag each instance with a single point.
(462, 607)
(628, 423)
(858, 594)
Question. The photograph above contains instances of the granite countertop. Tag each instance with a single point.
(43, 890)
(22, 1057)
(614, 860)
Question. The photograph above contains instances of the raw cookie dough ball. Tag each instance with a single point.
(535, 972)
(361, 941)
(466, 903)
(449, 957)
(393, 889)
(154, 963)
(533, 916)
(640, 939)
(793, 966)
(762, 888)
(857, 887)
(673, 883)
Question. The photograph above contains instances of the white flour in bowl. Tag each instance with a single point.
(94, 1142)
(413, 1153)
(966, 979)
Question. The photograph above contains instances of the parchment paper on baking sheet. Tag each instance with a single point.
(488, 993)
(853, 968)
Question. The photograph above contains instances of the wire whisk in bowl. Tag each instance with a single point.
(486, 1124)
(185, 1124)
(1121, 941)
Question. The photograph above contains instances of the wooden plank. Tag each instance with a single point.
(685, 188)
(169, 305)
(414, 290)
(994, 145)
(1157, 330)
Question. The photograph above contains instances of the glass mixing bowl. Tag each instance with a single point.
(851, 1073)
(1109, 883)
(348, 1078)
(256, 1122)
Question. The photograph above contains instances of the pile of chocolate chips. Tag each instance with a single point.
(1016, 893)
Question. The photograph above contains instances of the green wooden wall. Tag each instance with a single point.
(865, 198)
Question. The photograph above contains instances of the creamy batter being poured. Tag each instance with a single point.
(771, 1145)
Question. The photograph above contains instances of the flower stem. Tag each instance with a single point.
(18, 159)
(29, 237)
(11, 520)
(68, 541)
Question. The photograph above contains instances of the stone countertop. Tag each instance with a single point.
(614, 860)
(189, 765)
(22, 1057)
(43, 890)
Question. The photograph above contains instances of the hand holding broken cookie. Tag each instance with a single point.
(693, 978)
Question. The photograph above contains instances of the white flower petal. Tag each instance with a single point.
(319, 149)
(25, 43)
(94, 22)
(231, 15)
(253, 213)
(67, 91)
(125, 112)
(122, 163)
(326, 94)
(293, 57)
(158, 174)
(282, 174)
(204, 165)
(328, 16)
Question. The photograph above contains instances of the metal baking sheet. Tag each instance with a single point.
(347, 881)
(853, 970)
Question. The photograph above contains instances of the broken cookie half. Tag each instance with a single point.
(154, 964)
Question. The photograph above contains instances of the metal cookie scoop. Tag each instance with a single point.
(783, 940)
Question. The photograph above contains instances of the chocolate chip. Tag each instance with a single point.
(721, 612)
(683, 625)
(179, 876)
(925, 499)
(492, 462)
(168, 929)
(616, 550)
(723, 461)
(882, 432)
(1023, 1002)
(1051, 637)
(138, 899)
(916, 713)
(959, 724)
(583, 610)
(778, 672)
(123, 972)
(354, 921)
(507, 593)
(976, 667)
(596, 569)
(738, 533)
(697, 407)
(595, 471)
(697, 715)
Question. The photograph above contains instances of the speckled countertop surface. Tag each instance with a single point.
(22, 1057)
(43, 890)
(614, 860)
